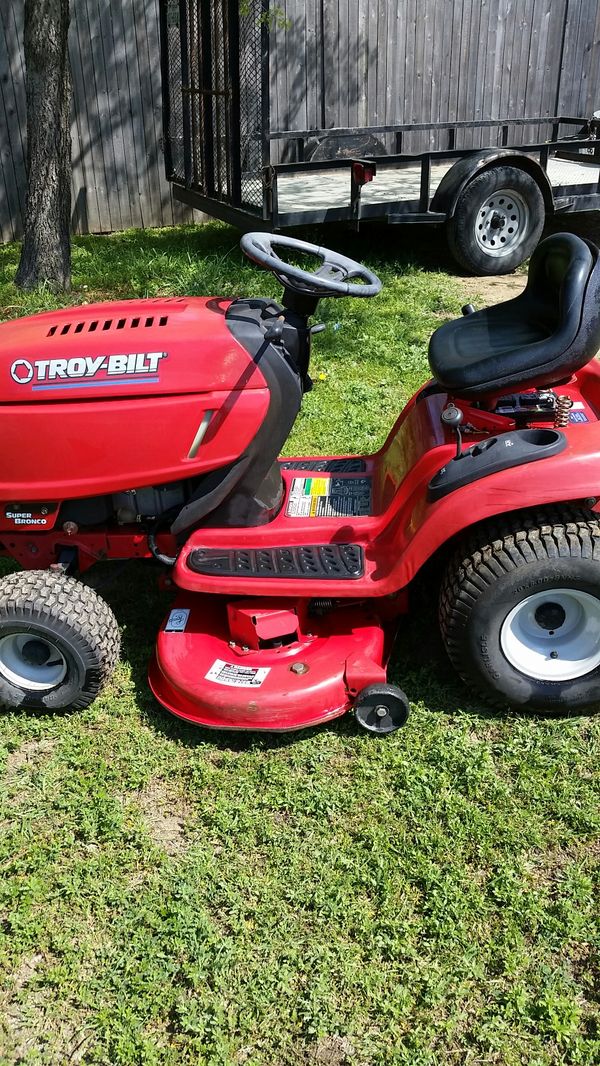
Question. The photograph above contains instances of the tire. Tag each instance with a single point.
(520, 611)
(59, 642)
(474, 241)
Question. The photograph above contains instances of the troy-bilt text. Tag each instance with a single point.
(24, 372)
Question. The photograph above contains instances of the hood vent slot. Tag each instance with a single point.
(109, 323)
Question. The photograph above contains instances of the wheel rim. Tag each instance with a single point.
(31, 661)
(502, 223)
(553, 635)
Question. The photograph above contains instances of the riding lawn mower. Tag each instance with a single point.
(153, 428)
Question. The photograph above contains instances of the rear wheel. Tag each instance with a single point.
(59, 642)
(498, 221)
(520, 612)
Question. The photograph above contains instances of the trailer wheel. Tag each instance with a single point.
(59, 642)
(520, 612)
(497, 222)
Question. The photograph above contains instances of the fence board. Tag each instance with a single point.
(118, 170)
(12, 116)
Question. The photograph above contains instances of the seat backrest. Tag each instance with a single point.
(559, 272)
(537, 339)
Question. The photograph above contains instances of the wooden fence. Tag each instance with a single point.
(377, 62)
(118, 174)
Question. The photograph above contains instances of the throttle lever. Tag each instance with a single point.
(274, 331)
(453, 417)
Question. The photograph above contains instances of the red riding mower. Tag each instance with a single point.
(153, 428)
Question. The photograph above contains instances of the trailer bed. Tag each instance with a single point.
(321, 190)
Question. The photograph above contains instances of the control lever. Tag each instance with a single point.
(274, 330)
(453, 417)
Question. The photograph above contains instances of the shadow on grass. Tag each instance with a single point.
(394, 246)
(133, 261)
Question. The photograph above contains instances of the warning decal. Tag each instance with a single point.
(329, 497)
(177, 620)
(237, 676)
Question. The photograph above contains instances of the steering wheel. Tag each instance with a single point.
(331, 279)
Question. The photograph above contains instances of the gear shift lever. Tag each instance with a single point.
(452, 417)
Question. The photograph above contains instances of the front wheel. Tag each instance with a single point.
(497, 222)
(59, 642)
(520, 612)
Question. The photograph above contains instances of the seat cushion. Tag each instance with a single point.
(540, 337)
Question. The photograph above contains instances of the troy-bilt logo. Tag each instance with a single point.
(96, 370)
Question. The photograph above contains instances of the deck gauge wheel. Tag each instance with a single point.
(381, 708)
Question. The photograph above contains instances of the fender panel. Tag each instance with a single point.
(458, 177)
(571, 477)
(405, 529)
(414, 527)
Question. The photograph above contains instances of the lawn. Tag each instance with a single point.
(172, 896)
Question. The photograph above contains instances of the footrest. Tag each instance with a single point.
(326, 466)
(339, 561)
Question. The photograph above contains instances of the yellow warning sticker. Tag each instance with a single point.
(328, 497)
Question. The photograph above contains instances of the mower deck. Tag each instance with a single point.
(285, 668)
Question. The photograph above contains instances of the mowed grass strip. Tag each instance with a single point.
(174, 896)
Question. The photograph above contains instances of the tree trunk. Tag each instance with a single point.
(46, 253)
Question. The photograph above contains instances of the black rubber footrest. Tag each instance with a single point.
(341, 562)
(327, 466)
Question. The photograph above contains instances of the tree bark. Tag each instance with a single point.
(46, 253)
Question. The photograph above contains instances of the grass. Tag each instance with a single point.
(172, 896)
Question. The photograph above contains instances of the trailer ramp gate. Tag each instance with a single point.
(214, 57)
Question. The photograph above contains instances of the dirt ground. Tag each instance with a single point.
(485, 291)
(482, 292)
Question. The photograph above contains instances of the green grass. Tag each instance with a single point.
(171, 896)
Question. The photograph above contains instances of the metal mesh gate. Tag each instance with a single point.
(214, 57)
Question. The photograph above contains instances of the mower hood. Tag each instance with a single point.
(129, 348)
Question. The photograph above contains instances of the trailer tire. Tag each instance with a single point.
(59, 642)
(497, 222)
(520, 611)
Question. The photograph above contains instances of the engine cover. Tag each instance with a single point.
(104, 398)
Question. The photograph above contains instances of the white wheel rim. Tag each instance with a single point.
(31, 661)
(502, 223)
(553, 635)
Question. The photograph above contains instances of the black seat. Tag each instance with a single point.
(540, 338)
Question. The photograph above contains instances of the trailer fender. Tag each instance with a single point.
(458, 177)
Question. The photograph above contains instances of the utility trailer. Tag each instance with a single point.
(490, 183)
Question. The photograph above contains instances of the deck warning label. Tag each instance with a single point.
(237, 676)
(329, 497)
(177, 620)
